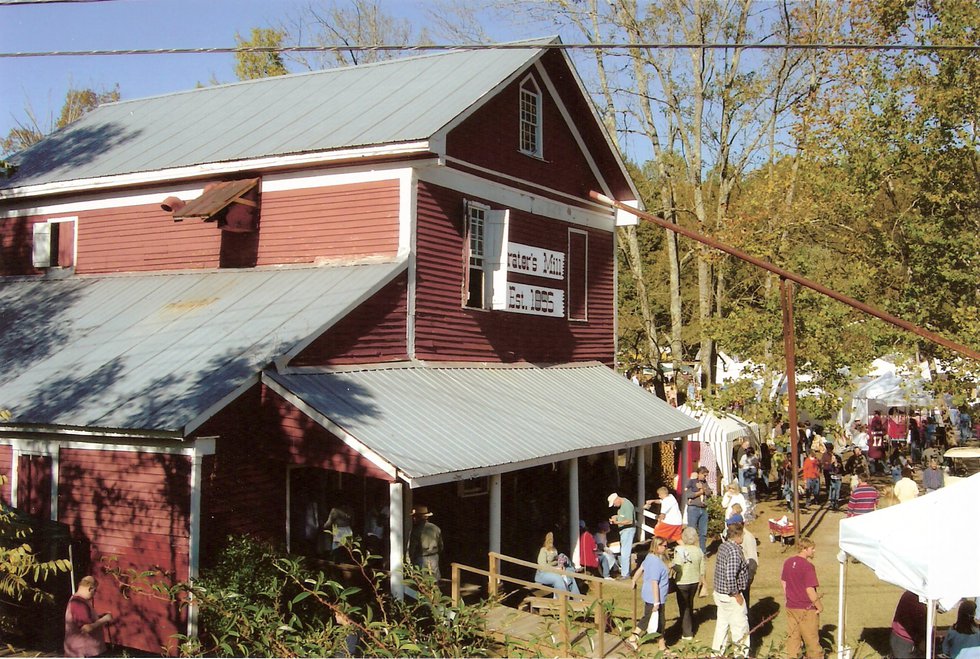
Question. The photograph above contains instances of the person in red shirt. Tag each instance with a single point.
(811, 472)
(83, 629)
(908, 627)
(803, 607)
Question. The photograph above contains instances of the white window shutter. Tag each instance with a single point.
(42, 245)
(496, 261)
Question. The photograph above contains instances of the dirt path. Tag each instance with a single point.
(869, 603)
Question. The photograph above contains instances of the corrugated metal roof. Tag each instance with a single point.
(437, 424)
(154, 352)
(389, 102)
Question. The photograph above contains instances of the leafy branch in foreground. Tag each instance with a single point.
(255, 602)
(21, 572)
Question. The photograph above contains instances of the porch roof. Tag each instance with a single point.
(430, 424)
(159, 353)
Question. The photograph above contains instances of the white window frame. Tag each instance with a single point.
(530, 132)
(490, 263)
(43, 254)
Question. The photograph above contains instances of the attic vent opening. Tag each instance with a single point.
(233, 205)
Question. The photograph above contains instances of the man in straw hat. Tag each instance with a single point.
(425, 543)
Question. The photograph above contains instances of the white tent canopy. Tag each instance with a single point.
(720, 431)
(910, 544)
(888, 385)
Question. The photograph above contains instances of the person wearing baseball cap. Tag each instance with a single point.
(625, 521)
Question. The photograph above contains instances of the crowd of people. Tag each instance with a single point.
(872, 465)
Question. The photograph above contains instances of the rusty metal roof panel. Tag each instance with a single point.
(392, 102)
(152, 352)
(442, 423)
(215, 198)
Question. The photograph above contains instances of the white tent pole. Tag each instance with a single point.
(930, 621)
(841, 578)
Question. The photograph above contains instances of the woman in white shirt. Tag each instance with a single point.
(733, 495)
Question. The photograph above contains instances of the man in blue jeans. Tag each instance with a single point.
(625, 520)
(696, 497)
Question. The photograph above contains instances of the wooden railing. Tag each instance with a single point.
(566, 600)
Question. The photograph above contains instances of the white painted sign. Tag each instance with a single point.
(535, 261)
(536, 300)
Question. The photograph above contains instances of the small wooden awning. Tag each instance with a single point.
(216, 198)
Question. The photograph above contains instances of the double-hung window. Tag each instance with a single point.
(476, 222)
(530, 119)
(485, 274)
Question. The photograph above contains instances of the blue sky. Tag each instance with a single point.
(126, 24)
(118, 25)
(159, 24)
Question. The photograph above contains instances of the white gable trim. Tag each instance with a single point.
(609, 140)
(437, 141)
(572, 127)
(331, 427)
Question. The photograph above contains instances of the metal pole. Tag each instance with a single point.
(792, 276)
(789, 347)
(930, 626)
(841, 580)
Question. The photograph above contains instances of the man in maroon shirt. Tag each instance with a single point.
(83, 629)
(908, 627)
(803, 605)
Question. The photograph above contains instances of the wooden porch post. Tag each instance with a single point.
(494, 482)
(574, 513)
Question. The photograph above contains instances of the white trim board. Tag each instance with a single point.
(470, 184)
(212, 169)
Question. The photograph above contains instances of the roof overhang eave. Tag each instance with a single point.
(493, 470)
(169, 175)
(14, 428)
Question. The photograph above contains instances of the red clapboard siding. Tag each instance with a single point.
(298, 226)
(130, 522)
(6, 464)
(143, 238)
(16, 240)
(300, 441)
(374, 332)
(445, 330)
(490, 138)
(243, 491)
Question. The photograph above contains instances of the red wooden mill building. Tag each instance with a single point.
(226, 310)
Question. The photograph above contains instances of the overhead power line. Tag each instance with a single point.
(493, 46)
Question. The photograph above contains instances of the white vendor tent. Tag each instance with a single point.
(720, 431)
(888, 385)
(909, 545)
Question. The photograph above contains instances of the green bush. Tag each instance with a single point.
(256, 603)
(716, 517)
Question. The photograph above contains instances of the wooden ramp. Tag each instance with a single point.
(544, 634)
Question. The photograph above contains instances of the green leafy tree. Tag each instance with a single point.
(22, 573)
(32, 128)
(250, 65)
